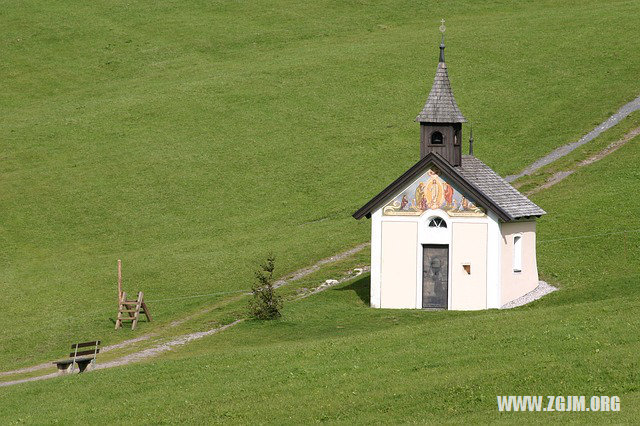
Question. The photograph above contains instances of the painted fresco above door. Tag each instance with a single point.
(430, 192)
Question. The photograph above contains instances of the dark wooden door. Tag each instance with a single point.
(435, 276)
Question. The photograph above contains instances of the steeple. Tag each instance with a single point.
(440, 119)
(441, 106)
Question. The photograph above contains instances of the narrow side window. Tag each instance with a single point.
(517, 253)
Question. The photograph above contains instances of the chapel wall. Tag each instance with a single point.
(398, 280)
(516, 284)
(469, 247)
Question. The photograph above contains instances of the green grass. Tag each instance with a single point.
(332, 358)
(190, 139)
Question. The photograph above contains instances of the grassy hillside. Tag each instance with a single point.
(331, 358)
(190, 138)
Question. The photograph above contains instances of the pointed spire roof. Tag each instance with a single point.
(441, 106)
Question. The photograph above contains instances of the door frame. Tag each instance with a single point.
(421, 283)
(432, 236)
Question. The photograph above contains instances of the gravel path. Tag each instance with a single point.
(627, 109)
(559, 176)
(166, 346)
(331, 283)
(30, 379)
(136, 356)
(535, 294)
(47, 365)
(301, 273)
(186, 338)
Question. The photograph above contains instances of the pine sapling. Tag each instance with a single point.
(266, 304)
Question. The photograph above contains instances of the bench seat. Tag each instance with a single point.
(84, 359)
(82, 364)
(70, 360)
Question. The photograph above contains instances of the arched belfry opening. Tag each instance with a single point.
(437, 138)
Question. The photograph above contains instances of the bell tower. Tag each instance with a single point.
(440, 119)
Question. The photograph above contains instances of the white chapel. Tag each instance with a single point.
(450, 233)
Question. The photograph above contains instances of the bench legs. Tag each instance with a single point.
(65, 368)
(79, 367)
(85, 366)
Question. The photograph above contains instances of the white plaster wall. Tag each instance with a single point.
(494, 260)
(469, 246)
(516, 284)
(398, 266)
(490, 251)
(376, 257)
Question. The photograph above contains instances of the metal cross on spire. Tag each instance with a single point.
(442, 30)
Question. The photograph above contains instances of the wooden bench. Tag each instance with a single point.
(79, 360)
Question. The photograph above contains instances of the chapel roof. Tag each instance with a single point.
(498, 189)
(474, 177)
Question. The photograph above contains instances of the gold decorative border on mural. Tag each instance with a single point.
(431, 192)
(479, 213)
(390, 211)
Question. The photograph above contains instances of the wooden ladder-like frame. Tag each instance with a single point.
(129, 310)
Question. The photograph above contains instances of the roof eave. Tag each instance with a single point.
(440, 120)
(526, 218)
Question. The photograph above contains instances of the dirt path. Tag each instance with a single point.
(167, 346)
(294, 276)
(626, 109)
(181, 340)
(331, 283)
(47, 365)
(137, 356)
(184, 339)
(559, 176)
(301, 273)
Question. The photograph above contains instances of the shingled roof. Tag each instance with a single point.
(497, 189)
(441, 106)
(474, 177)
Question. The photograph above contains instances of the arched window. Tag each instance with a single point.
(437, 222)
(517, 253)
(437, 138)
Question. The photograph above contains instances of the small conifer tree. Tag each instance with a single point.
(266, 304)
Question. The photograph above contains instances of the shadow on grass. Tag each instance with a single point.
(361, 287)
